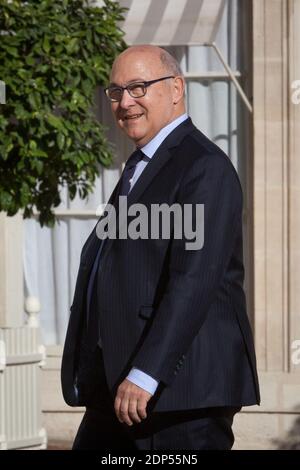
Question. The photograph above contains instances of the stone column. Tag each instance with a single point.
(294, 183)
(276, 163)
(270, 172)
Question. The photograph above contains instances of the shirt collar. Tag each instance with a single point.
(150, 148)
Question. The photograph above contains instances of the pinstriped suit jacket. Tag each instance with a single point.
(178, 315)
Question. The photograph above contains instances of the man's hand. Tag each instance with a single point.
(131, 402)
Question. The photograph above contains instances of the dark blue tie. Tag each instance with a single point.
(128, 171)
(93, 333)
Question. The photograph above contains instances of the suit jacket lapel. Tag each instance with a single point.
(159, 159)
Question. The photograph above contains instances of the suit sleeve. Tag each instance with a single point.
(194, 276)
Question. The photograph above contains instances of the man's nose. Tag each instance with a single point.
(126, 100)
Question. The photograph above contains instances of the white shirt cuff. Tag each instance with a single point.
(142, 380)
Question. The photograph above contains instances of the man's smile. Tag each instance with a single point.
(132, 117)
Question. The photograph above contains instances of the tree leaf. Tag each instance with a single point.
(46, 44)
(60, 141)
(52, 58)
(55, 122)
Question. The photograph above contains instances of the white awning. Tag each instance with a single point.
(171, 22)
(177, 23)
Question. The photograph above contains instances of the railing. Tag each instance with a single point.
(21, 356)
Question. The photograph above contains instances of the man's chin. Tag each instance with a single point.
(134, 135)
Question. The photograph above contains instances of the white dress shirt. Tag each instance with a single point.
(136, 376)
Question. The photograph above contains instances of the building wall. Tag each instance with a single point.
(276, 224)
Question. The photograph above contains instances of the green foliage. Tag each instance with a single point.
(53, 54)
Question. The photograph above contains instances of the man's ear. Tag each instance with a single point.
(178, 89)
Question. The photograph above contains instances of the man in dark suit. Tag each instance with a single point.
(159, 347)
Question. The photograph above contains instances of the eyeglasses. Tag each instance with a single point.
(136, 89)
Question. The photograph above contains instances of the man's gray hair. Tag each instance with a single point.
(170, 63)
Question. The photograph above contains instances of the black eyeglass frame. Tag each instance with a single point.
(145, 84)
